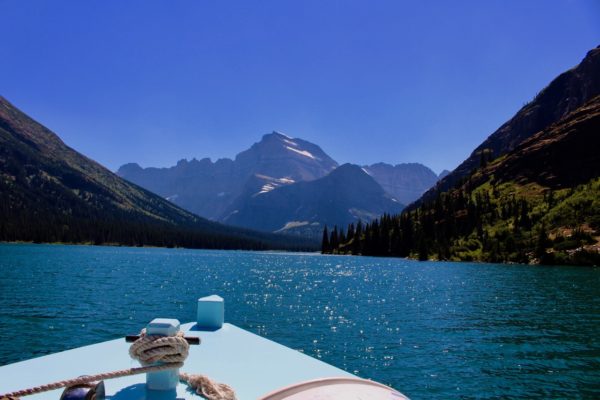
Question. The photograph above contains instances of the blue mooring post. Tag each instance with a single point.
(211, 313)
(162, 380)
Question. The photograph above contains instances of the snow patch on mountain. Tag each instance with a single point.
(363, 215)
(292, 224)
(290, 142)
(266, 188)
(272, 183)
(301, 152)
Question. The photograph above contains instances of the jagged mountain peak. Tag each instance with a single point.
(276, 135)
(281, 156)
(275, 143)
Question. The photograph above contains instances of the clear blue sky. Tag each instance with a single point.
(396, 81)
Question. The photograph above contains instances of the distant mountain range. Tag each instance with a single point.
(530, 193)
(266, 187)
(51, 193)
(346, 194)
(212, 190)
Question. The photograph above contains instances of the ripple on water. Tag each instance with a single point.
(432, 330)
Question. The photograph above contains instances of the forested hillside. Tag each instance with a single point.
(540, 203)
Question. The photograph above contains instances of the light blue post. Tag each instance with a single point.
(211, 312)
(162, 380)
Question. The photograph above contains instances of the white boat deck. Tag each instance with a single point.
(252, 365)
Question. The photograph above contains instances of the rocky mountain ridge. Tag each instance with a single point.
(219, 190)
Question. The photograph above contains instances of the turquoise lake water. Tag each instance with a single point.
(432, 330)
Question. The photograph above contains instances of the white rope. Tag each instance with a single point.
(208, 388)
(149, 349)
(170, 351)
(88, 379)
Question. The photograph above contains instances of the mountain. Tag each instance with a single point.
(214, 190)
(406, 182)
(538, 203)
(443, 174)
(278, 155)
(347, 194)
(564, 155)
(202, 187)
(566, 93)
(51, 193)
(248, 191)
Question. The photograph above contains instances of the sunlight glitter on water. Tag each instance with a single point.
(432, 330)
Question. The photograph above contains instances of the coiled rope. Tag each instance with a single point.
(149, 349)
(171, 351)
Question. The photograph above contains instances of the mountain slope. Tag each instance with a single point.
(202, 187)
(406, 182)
(278, 155)
(566, 93)
(538, 203)
(564, 155)
(49, 192)
(346, 195)
(213, 190)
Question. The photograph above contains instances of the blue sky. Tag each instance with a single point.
(395, 81)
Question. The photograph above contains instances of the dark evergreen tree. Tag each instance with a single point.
(350, 235)
(542, 243)
(325, 247)
(334, 240)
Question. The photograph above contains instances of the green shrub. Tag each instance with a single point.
(568, 244)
